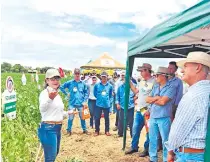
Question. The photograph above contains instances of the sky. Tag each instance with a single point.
(68, 34)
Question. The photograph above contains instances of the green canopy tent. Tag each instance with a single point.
(174, 38)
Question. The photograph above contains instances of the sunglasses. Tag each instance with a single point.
(57, 78)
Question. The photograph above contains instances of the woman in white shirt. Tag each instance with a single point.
(52, 111)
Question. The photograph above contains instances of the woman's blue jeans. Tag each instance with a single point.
(50, 136)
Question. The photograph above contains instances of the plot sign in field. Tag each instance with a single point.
(9, 99)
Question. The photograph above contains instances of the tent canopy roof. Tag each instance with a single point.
(177, 36)
(106, 62)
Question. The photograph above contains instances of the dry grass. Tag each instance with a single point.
(88, 148)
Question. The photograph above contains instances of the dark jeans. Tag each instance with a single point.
(50, 136)
(92, 107)
(117, 118)
(130, 115)
(98, 112)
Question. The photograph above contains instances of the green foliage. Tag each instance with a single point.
(19, 136)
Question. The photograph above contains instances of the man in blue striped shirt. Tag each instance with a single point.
(78, 96)
(160, 110)
(188, 131)
(103, 92)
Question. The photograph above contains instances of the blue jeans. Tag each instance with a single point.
(71, 118)
(50, 136)
(161, 125)
(189, 157)
(98, 112)
(130, 115)
(137, 127)
(92, 107)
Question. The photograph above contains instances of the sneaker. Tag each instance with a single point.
(96, 134)
(130, 151)
(108, 134)
(144, 153)
(115, 128)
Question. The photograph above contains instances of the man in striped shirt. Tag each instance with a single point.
(188, 131)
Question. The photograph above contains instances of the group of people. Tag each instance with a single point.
(175, 122)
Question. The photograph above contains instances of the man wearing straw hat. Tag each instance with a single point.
(160, 111)
(189, 128)
(143, 90)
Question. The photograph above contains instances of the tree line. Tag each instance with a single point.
(18, 68)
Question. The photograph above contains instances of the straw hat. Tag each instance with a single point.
(144, 66)
(196, 57)
(163, 71)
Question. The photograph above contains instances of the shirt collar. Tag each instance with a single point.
(200, 83)
(103, 84)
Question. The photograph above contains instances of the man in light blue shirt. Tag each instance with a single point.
(187, 138)
(78, 96)
(103, 92)
(177, 83)
(160, 111)
(120, 101)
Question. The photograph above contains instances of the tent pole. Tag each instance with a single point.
(127, 92)
(207, 149)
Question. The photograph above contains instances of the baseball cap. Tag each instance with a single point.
(50, 73)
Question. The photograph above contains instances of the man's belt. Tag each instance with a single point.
(190, 150)
(53, 122)
(143, 109)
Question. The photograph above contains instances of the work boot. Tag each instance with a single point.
(85, 132)
(130, 151)
(96, 134)
(115, 128)
(69, 133)
(144, 153)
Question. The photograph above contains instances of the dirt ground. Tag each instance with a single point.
(88, 148)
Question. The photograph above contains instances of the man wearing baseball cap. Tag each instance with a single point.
(104, 98)
(189, 128)
(160, 110)
(78, 96)
(143, 90)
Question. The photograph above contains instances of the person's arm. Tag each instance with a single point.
(179, 93)
(167, 96)
(86, 94)
(44, 101)
(64, 86)
(118, 99)
(111, 94)
(133, 88)
(187, 116)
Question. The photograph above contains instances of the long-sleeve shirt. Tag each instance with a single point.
(78, 92)
(178, 84)
(120, 97)
(157, 111)
(104, 95)
(51, 110)
(190, 124)
(118, 83)
(90, 91)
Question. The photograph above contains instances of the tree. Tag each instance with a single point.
(17, 68)
(6, 67)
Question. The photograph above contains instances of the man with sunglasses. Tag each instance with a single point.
(144, 89)
(78, 96)
(177, 83)
(160, 111)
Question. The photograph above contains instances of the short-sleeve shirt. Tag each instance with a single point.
(158, 111)
(145, 88)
